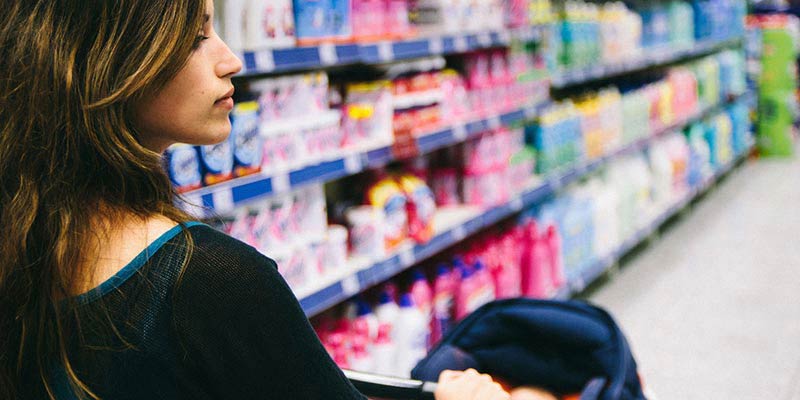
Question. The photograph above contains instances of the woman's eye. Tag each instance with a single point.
(199, 39)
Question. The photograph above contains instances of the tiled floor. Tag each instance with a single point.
(712, 308)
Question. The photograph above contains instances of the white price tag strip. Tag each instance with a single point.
(280, 183)
(350, 285)
(517, 204)
(555, 183)
(193, 204)
(504, 37)
(485, 39)
(265, 61)
(385, 51)
(531, 113)
(459, 233)
(459, 132)
(223, 200)
(352, 163)
(327, 54)
(460, 44)
(494, 122)
(436, 45)
(407, 258)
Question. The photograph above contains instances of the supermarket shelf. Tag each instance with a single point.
(651, 58)
(460, 227)
(329, 55)
(578, 282)
(225, 197)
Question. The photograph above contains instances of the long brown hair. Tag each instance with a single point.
(71, 72)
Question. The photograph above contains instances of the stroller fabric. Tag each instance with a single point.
(566, 347)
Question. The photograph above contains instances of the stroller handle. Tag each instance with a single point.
(386, 387)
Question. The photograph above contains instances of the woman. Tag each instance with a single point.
(107, 290)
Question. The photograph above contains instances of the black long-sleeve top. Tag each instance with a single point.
(231, 328)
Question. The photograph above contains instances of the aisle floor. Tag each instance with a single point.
(712, 308)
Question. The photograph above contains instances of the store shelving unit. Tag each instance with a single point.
(577, 282)
(224, 197)
(650, 58)
(329, 55)
(454, 226)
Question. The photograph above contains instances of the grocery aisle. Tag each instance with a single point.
(713, 309)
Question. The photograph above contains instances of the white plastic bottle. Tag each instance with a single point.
(384, 351)
(387, 310)
(411, 336)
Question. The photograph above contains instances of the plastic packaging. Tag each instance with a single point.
(411, 333)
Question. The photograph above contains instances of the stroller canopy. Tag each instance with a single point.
(565, 347)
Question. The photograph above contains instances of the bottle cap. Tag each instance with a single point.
(406, 301)
(418, 275)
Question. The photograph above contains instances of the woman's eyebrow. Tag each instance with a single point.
(206, 17)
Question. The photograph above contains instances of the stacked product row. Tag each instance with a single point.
(290, 122)
(595, 124)
(611, 32)
(388, 330)
(252, 25)
(597, 216)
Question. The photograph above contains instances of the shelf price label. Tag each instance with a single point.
(459, 233)
(504, 37)
(436, 45)
(459, 132)
(350, 285)
(460, 44)
(407, 258)
(193, 204)
(484, 39)
(327, 54)
(385, 51)
(494, 122)
(555, 183)
(265, 60)
(280, 183)
(517, 204)
(352, 163)
(223, 201)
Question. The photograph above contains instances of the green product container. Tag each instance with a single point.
(775, 119)
(778, 70)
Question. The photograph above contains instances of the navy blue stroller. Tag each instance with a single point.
(565, 347)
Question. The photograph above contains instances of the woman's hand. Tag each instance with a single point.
(468, 385)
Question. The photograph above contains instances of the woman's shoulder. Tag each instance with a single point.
(219, 262)
(210, 245)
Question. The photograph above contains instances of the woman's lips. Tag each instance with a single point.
(225, 102)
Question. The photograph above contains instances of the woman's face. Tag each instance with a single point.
(193, 107)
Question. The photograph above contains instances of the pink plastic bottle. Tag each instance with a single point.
(443, 303)
(556, 265)
(341, 353)
(488, 291)
(535, 273)
(478, 82)
(467, 290)
(360, 358)
(366, 323)
(507, 275)
(421, 292)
